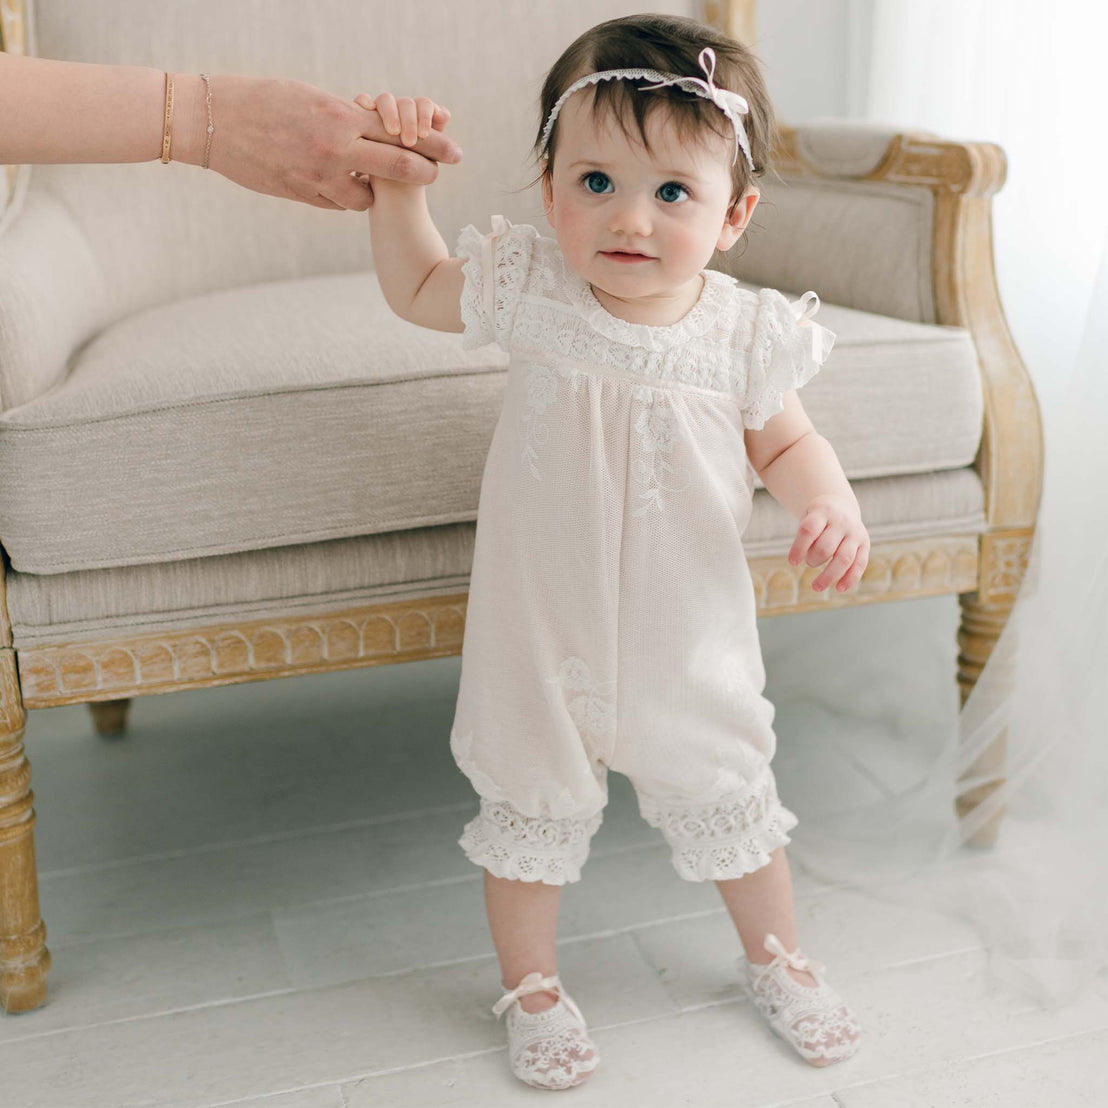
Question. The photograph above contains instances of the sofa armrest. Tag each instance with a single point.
(901, 224)
(51, 298)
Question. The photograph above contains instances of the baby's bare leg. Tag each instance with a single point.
(762, 902)
(523, 919)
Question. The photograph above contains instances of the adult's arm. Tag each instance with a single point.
(275, 136)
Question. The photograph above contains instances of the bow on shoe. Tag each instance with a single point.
(535, 983)
(796, 960)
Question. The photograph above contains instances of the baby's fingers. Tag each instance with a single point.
(386, 107)
(425, 112)
(857, 568)
(808, 533)
(409, 123)
(843, 559)
(429, 115)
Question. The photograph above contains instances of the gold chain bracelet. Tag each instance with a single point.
(211, 127)
(168, 123)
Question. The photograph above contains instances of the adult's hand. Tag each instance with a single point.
(291, 139)
(280, 137)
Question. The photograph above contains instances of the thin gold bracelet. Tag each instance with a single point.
(211, 127)
(168, 117)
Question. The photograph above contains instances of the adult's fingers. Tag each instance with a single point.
(347, 192)
(383, 159)
(436, 146)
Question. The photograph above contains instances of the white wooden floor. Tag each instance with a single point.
(257, 898)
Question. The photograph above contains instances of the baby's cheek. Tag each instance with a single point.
(575, 237)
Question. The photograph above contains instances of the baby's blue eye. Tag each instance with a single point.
(596, 182)
(671, 192)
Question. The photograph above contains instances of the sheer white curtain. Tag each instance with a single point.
(1020, 74)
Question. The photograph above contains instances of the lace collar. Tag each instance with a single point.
(694, 322)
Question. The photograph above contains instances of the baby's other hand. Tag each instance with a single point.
(412, 118)
(831, 525)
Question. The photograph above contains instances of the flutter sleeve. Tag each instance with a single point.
(495, 272)
(787, 352)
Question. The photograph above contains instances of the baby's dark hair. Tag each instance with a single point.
(669, 44)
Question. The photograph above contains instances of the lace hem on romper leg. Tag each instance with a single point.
(528, 848)
(724, 838)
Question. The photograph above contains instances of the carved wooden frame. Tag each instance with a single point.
(984, 570)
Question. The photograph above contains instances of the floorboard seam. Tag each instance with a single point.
(253, 840)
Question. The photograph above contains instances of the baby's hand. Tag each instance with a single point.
(830, 526)
(412, 118)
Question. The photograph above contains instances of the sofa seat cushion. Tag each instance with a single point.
(422, 561)
(301, 411)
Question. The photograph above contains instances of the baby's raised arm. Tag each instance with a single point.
(422, 283)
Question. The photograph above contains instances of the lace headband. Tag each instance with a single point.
(730, 103)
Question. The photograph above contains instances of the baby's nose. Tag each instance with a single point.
(632, 218)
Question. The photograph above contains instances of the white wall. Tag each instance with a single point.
(804, 45)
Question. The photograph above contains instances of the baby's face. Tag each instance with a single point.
(668, 206)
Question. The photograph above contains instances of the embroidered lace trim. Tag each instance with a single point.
(699, 318)
(753, 346)
(724, 838)
(542, 307)
(814, 1020)
(503, 256)
(528, 848)
(547, 329)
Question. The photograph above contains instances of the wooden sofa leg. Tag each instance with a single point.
(977, 636)
(24, 959)
(109, 717)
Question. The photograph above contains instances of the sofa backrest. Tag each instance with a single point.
(160, 232)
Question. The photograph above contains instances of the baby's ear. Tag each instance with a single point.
(737, 217)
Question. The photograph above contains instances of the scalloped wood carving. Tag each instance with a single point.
(896, 571)
(423, 628)
(404, 631)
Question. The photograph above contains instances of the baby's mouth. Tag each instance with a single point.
(626, 256)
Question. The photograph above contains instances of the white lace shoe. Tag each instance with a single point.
(813, 1019)
(550, 1049)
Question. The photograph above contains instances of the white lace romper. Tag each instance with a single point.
(611, 615)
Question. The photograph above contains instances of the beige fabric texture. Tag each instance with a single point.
(305, 410)
(291, 580)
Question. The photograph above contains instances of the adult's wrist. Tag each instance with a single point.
(190, 119)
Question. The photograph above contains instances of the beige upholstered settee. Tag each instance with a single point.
(223, 459)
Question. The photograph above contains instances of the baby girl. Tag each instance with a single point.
(611, 621)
